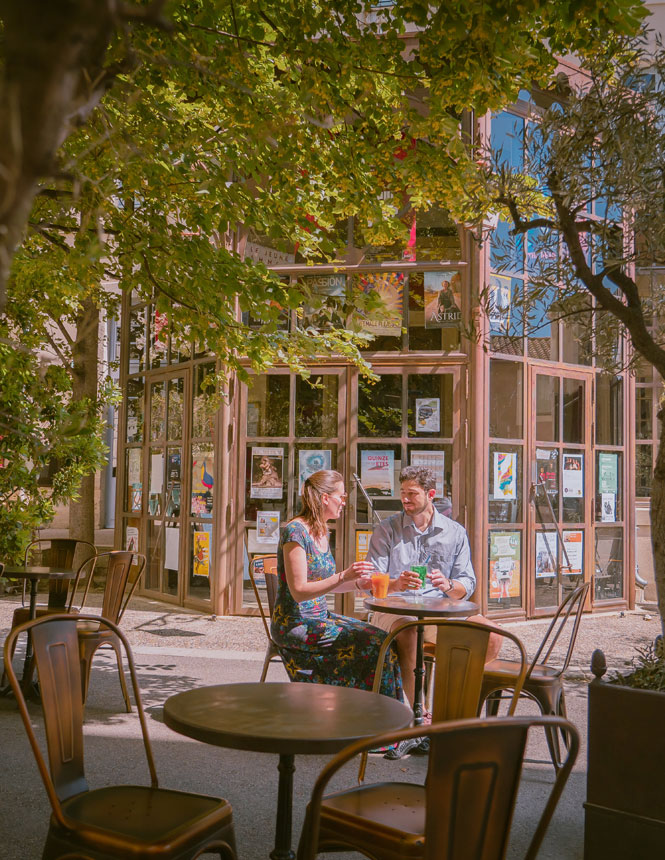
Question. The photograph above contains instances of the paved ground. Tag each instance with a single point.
(176, 650)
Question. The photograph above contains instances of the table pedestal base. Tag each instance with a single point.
(282, 849)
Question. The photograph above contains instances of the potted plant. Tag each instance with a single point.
(625, 805)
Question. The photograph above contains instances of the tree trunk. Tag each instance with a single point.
(53, 56)
(658, 521)
(84, 385)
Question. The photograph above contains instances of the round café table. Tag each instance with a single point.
(421, 606)
(285, 718)
(35, 573)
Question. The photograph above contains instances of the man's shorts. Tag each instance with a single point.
(386, 621)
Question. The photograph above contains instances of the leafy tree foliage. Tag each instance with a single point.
(143, 142)
(591, 198)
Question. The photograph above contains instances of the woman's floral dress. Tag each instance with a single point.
(319, 646)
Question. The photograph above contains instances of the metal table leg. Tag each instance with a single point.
(282, 849)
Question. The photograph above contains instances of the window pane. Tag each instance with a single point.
(157, 410)
(643, 469)
(266, 479)
(508, 139)
(156, 482)
(644, 413)
(506, 315)
(310, 457)
(437, 236)
(268, 405)
(159, 343)
(608, 579)
(573, 476)
(573, 411)
(609, 409)
(203, 470)
(547, 408)
(426, 335)
(542, 326)
(134, 401)
(378, 466)
(506, 400)
(203, 406)
(134, 479)
(176, 388)
(430, 404)
(137, 335)
(173, 482)
(316, 406)
(506, 250)
(576, 345)
(505, 490)
(380, 406)
(609, 495)
(546, 554)
(200, 559)
(504, 583)
(439, 458)
(547, 493)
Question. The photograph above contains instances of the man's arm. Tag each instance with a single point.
(379, 548)
(462, 571)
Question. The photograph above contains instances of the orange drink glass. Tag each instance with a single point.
(380, 582)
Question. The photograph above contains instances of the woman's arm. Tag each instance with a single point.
(295, 567)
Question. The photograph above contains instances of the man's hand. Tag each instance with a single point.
(405, 581)
(448, 586)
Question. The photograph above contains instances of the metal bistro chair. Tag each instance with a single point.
(464, 810)
(54, 552)
(460, 650)
(543, 683)
(119, 821)
(269, 566)
(123, 574)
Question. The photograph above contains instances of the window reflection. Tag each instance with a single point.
(380, 406)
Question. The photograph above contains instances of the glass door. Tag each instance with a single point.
(167, 429)
(292, 427)
(560, 485)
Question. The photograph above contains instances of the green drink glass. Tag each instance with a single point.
(421, 570)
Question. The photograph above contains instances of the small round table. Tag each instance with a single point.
(289, 719)
(34, 573)
(421, 607)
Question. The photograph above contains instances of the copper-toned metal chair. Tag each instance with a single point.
(269, 567)
(123, 574)
(459, 653)
(55, 552)
(543, 683)
(119, 821)
(464, 810)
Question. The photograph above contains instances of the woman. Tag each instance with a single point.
(317, 645)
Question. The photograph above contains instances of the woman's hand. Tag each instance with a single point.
(357, 570)
(406, 581)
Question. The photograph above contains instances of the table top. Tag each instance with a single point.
(34, 571)
(422, 607)
(289, 718)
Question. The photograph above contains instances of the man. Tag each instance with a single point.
(422, 535)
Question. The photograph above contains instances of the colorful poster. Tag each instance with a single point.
(377, 472)
(499, 304)
(505, 563)
(267, 527)
(428, 415)
(136, 497)
(573, 542)
(505, 476)
(201, 554)
(203, 465)
(310, 461)
(390, 287)
(546, 464)
(573, 476)
(172, 548)
(434, 460)
(546, 554)
(324, 286)
(608, 473)
(443, 299)
(608, 507)
(362, 545)
(267, 471)
(132, 539)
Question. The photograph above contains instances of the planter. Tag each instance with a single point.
(625, 806)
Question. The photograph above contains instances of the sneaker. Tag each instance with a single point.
(422, 748)
(402, 749)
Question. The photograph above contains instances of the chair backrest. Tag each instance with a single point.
(56, 654)
(267, 564)
(472, 784)
(124, 569)
(59, 552)
(567, 618)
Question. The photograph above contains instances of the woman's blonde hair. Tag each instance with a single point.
(323, 481)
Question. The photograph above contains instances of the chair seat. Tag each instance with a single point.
(503, 671)
(22, 613)
(395, 811)
(140, 819)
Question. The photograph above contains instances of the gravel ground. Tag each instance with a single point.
(149, 623)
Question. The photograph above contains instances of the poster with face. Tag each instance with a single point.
(546, 554)
(443, 299)
(573, 476)
(267, 470)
